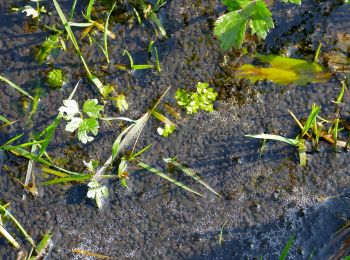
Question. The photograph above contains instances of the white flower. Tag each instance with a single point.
(74, 124)
(30, 11)
(70, 109)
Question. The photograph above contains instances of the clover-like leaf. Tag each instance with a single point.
(74, 124)
(166, 131)
(97, 192)
(86, 126)
(121, 103)
(70, 109)
(30, 11)
(92, 109)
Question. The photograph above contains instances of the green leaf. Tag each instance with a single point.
(88, 125)
(16, 87)
(123, 172)
(286, 249)
(41, 248)
(55, 78)
(298, 2)
(91, 108)
(283, 70)
(163, 175)
(189, 172)
(121, 103)
(202, 99)
(4, 119)
(51, 43)
(311, 119)
(233, 5)
(261, 20)
(230, 29)
(97, 191)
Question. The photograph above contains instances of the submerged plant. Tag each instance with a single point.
(283, 70)
(52, 42)
(55, 78)
(231, 27)
(193, 101)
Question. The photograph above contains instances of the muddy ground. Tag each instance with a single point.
(265, 200)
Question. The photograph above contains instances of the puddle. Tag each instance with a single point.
(265, 200)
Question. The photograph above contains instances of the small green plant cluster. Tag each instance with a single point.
(76, 120)
(202, 99)
(55, 78)
(231, 27)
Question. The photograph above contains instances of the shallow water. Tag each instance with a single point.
(266, 200)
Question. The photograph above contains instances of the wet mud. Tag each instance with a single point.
(266, 199)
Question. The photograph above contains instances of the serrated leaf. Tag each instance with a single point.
(92, 109)
(97, 191)
(235, 4)
(230, 29)
(74, 124)
(261, 20)
(70, 109)
(88, 125)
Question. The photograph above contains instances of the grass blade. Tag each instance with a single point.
(41, 248)
(67, 179)
(311, 119)
(286, 249)
(72, 10)
(276, 138)
(163, 175)
(8, 237)
(122, 143)
(19, 226)
(5, 120)
(190, 173)
(105, 39)
(16, 87)
(116, 144)
(89, 9)
(66, 25)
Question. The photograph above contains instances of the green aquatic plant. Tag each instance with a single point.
(149, 12)
(71, 36)
(97, 192)
(137, 66)
(169, 126)
(298, 141)
(55, 78)
(77, 121)
(231, 27)
(51, 43)
(121, 103)
(283, 70)
(193, 101)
